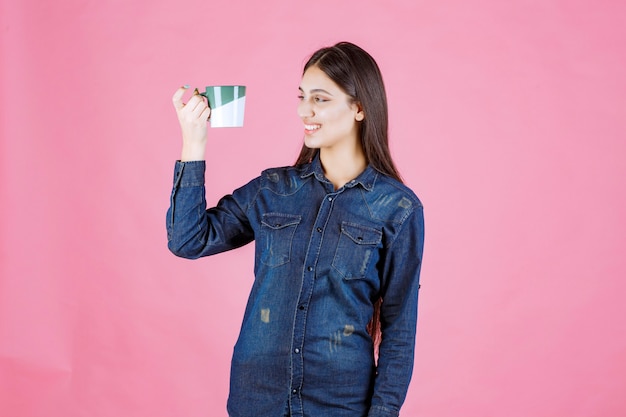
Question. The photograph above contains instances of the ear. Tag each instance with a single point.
(360, 114)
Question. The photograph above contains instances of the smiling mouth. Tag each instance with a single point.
(311, 128)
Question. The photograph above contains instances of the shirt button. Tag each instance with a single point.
(319, 229)
(310, 268)
(294, 391)
(296, 350)
(301, 307)
(330, 199)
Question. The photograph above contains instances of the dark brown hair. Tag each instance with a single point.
(358, 75)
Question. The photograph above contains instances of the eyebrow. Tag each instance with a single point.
(316, 90)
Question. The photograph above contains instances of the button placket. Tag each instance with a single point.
(308, 280)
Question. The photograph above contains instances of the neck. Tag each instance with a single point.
(342, 167)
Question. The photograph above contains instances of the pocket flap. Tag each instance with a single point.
(361, 235)
(280, 220)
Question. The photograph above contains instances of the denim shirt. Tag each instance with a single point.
(322, 259)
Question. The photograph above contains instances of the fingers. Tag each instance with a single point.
(192, 117)
(196, 107)
(206, 114)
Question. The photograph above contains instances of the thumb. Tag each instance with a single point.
(177, 98)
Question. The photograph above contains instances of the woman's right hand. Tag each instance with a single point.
(193, 117)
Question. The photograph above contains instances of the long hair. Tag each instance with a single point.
(358, 75)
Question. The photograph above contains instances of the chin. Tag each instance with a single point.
(312, 144)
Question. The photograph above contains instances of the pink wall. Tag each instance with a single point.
(508, 120)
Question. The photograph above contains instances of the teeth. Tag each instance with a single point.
(311, 127)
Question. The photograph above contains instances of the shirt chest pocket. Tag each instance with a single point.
(357, 250)
(276, 236)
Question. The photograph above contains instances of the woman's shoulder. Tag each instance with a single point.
(392, 201)
(283, 180)
(281, 171)
(391, 186)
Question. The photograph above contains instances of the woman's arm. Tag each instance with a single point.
(402, 265)
(192, 230)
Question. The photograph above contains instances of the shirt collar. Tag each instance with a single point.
(366, 179)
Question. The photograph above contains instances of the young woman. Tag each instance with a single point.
(339, 243)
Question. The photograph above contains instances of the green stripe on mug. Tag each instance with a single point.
(227, 104)
(224, 94)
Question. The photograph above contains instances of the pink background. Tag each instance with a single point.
(508, 120)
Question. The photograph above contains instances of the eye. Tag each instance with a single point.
(319, 99)
(300, 97)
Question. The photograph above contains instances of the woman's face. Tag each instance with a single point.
(330, 117)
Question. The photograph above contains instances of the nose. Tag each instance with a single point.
(305, 109)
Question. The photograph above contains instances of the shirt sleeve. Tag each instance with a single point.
(401, 272)
(192, 229)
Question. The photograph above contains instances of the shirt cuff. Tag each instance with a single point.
(189, 174)
(378, 411)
